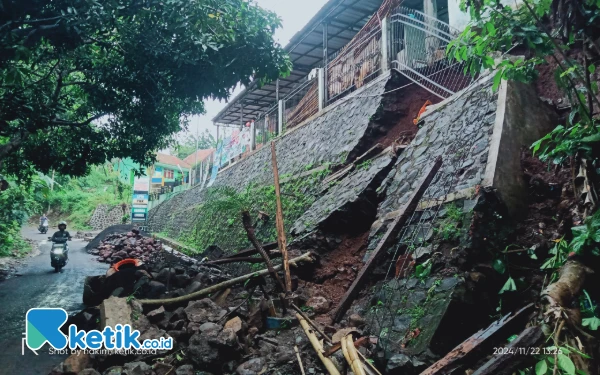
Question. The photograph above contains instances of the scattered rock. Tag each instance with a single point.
(254, 366)
(114, 311)
(137, 368)
(405, 365)
(204, 311)
(88, 371)
(235, 324)
(163, 369)
(320, 305)
(156, 315)
(356, 320)
(76, 362)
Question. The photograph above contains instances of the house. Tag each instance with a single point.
(200, 162)
(167, 173)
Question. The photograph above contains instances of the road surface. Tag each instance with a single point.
(40, 286)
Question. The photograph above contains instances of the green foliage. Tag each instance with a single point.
(498, 28)
(559, 254)
(422, 271)
(218, 220)
(76, 198)
(450, 227)
(183, 149)
(85, 81)
(587, 236)
(17, 203)
(509, 286)
(588, 312)
(365, 165)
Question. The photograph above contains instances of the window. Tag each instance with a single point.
(169, 174)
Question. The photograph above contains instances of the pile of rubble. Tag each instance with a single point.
(238, 330)
(117, 247)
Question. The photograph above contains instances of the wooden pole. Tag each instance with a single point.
(279, 222)
(247, 222)
(386, 241)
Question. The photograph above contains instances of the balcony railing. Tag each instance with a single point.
(407, 40)
(418, 50)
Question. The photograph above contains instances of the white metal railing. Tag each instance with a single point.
(409, 41)
(417, 49)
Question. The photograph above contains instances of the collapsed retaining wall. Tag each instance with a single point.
(331, 137)
(479, 135)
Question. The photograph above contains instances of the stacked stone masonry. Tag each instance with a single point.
(106, 215)
(457, 130)
(328, 138)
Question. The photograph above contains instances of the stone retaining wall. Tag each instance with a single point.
(329, 138)
(107, 215)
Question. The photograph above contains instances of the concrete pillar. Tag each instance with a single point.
(252, 136)
(265, 130)
(322, 88)
(385, 44)
(280, 116)
(325, 60)
(432, 42)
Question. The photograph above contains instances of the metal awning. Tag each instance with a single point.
(344, 18)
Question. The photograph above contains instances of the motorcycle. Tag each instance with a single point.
(59, 254)
(43, 227)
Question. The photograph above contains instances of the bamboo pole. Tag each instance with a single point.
(299, 359)
(368, 364)
(313, 324)
(279, 222)
(226, 284)
(355, 363)
(317, 346)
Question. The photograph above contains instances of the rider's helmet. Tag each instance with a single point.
(62, 223)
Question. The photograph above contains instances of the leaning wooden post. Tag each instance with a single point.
(279, 222)
(389, 238)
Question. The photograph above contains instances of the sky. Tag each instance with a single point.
(294, 15)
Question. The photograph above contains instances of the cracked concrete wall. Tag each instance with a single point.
(327, 138)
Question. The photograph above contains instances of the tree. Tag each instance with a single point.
(85, 81)
(183, 149)
(562, 32)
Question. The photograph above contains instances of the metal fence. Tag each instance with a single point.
(301, 103)
(355, 65)
(418, 50)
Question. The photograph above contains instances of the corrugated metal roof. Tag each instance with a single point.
(345, 18)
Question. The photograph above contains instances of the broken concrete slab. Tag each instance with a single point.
(347, 198)
(114, 311)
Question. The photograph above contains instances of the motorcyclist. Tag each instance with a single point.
(42, 219)
(62, 235)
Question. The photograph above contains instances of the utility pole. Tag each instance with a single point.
(196, 161)
(51, 189)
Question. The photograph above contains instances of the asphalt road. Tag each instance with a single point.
(39, 286)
